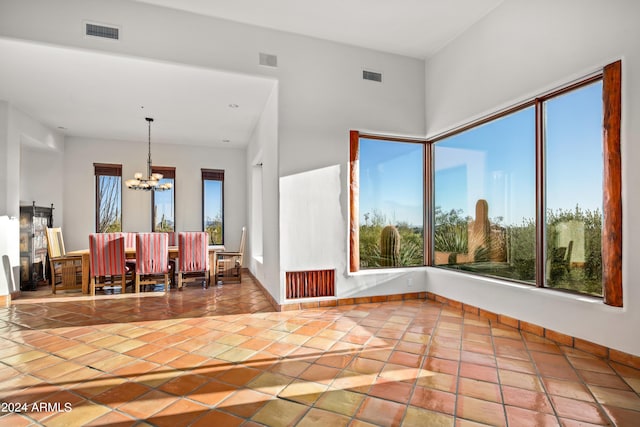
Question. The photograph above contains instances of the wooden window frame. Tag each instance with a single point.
(167, 172)
(105, 169)
(354, 195)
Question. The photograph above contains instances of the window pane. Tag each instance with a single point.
(574, 170)
(163, 208)
(109, 202)
(391, 203)
(484, 191)
(213, 210)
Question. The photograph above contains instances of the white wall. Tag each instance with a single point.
(79, 186)
(41, 180)
(520, 49)
(41, 163)
(263, 252)
(9, 161)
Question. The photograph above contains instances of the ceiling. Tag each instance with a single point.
(99, 95)
(106, 96)
(416, 28)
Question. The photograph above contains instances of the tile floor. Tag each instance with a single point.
(222, 357)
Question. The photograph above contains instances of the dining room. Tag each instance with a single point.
(130, 115)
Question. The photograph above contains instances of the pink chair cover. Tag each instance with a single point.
(152, 253)
(106, 254)
(172, 238)
(193, 251)
(129, 240)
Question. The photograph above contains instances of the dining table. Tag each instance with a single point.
(131, 254)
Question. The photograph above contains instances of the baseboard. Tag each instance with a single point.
(557, 337)
(5, 300)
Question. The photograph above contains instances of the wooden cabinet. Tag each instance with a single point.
(34, 221)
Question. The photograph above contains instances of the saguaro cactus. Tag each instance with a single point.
(390, 246)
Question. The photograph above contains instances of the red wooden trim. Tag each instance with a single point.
(213, 174)
(310, 284)
(481, 121)
(109, 169)
(612, 201)
(391, 138)
(429, 206)
(168, 172)
(354, 195)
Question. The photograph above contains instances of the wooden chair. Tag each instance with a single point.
(66, 271)
(173, 241)
(173, 238)
(193, 257)
(130, 263)
(229, 264)
(152, 259)
(107, 260)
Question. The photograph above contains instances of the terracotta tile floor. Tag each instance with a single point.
(222, 357)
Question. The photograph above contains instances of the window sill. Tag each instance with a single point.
(375, 271)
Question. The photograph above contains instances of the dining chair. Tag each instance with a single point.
(229, 263)
(152, 259)
(66, 271)
(193, 257)
(107, 260)
(173, 238)
(173, 241)
(130, 263)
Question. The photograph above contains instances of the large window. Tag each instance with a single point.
(163, 202)
(536, 177)
(532, 194)
(485, 198)
(212, 205)
(108, 197)
(573, 171)
(391, 202)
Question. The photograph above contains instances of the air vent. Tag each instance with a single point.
(372, 75)
(268, 60)
(310, 284)
(96, 30)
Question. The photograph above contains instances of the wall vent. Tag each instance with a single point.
(310, 284)
(102, 31)
(372, 75)
(268, 60)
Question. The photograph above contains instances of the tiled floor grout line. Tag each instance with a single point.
(495, 357)
(540, 377)
(457, 394)
(603, 412)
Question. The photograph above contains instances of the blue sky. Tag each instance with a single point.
(496, 162)
(213, 199)
(164, 201)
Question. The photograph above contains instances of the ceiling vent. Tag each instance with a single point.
(372, 75)
(268, 60)
(102, 31)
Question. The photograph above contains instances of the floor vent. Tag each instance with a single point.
(310, 284)
(372, 75)
(102, 31)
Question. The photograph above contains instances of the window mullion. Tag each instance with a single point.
(428, 204)
(540, 194)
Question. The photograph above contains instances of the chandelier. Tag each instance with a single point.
(152, 181)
